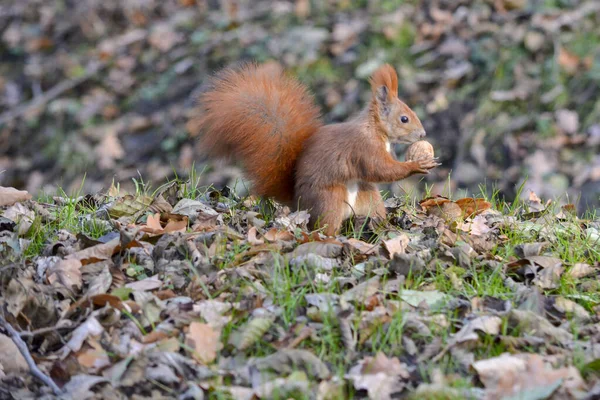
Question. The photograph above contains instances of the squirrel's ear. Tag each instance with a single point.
(382, 98)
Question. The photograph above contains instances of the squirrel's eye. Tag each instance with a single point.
(404, 119)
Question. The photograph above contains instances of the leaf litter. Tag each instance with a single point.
(157, 304)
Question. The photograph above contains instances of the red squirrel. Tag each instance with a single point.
(268, 121)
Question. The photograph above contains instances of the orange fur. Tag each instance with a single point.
(385, 76)
(261, 118)
(268, 122)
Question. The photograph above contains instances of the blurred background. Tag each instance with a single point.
(508, 90)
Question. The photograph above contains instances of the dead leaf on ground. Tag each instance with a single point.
(441, 207)
(10, 196)
(380, 376)
(524, 376)
(285, 361)
(275, 234)
(67, 273)
(362, 247)
(473, 206)
(397, 245)
(11, 360)
(204, 340)
(96, 253)
(90, 328)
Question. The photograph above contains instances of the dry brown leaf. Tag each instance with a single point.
(441, 207)
(286, 361)
(361, 292)
(536, 325)
(488, 324)
(150, 283)
(22, 215)
(253, 237)
(153, 224)
(214, 312)
(93, 254)
(90, 328)
(109, 150)
(477, 227)
(581, 270)
(430, 202)
(379, 376)
(324, 249)
(67, 273)
(163, 37)
(94, 358)
(568, 61)
(176, 225)
(129, 205)
(11, 360)
(524, 376)
(10, 196)
(204, 340)
(362, 247)
(471, 206)
(275, 234)
(397, 245)
(100, 283)
(567, 306)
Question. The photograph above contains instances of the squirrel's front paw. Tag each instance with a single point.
(423, 166)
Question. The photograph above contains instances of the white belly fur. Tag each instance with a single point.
(352, 187)
(388, 146)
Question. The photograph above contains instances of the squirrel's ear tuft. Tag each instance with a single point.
(385, 76)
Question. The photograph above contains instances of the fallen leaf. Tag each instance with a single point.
(524, 376)
(90, 328)
(286, 361)
(95, 358)
(361, 292)
(79, 386)
(379, 376)
(11, 360)
(471, 206)
(324, 249)
(10, 196)
(581, 270)
(253, 236)
(204, 340)
(99, 252)
(146, 284)
(397, 245)
(67, 273)
(536, 325)
(568, 61)
(477, 227)
(432, 298)
(275, 234)
(251, 332)
(362, 247)
(109, 150)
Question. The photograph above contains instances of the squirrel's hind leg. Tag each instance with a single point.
(327, 208)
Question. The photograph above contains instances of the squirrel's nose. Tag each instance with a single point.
(422, 134)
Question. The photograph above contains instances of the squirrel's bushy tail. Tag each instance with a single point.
(260, 117)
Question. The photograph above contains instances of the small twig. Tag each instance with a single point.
(42, 331)
(51, 94)
(33, 368)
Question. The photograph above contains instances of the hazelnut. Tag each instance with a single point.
(419, 150)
